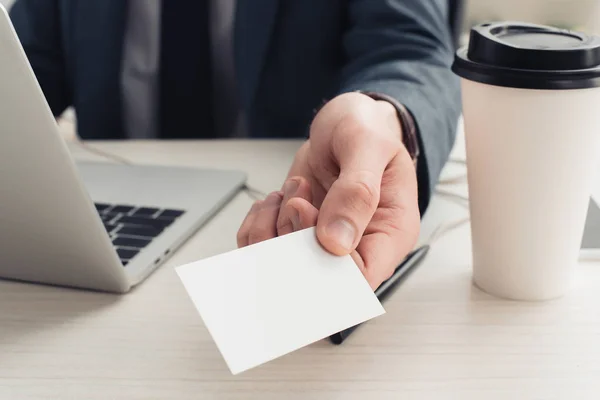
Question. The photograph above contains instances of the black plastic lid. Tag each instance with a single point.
(522, 55)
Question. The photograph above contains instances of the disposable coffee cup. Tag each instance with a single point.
(531, 105)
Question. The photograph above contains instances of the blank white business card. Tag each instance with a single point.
(266, 300)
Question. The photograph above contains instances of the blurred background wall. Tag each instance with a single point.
(574, 14)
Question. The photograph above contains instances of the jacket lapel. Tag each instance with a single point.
(254, 22)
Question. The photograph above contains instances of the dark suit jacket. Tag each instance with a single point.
(290, 56)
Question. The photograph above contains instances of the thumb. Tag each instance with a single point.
(349, 206)
(361, 144)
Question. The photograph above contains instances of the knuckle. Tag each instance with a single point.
(363, 194)
(284, 225)
(272, 200)
(256, 206)
(350, 126)
(391, 220)
(282, 219)
(358, 126)
(258, 236)
(281, 223)
(240, 235)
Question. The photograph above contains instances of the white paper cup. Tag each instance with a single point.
(533, 142)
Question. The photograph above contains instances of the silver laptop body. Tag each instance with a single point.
(55, 216)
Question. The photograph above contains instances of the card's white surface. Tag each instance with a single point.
(266, 300)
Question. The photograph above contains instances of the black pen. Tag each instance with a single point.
(387, 287)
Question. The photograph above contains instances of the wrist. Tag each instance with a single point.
(406, 121)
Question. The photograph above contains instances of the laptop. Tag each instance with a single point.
(93, 226)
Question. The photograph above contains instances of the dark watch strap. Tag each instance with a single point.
(407, 122)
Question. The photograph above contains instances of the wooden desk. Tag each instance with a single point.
(440, 339)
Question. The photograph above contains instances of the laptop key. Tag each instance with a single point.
(110, 214)
(139, 230)
(127, 254)
(165, 221)
(170, 214)
(121, 209)
(125, 241)
(151, 222)
(109, 218)
(102, 206)
(110, 227)
(145, 212)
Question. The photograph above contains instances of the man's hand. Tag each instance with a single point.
(355, 181)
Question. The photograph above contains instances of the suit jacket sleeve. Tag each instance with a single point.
(37, 23)
(403, 49)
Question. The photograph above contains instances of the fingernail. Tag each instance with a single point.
(342, 232)
(290, 188)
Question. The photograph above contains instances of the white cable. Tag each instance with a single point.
(253, 193)
(453, 180)
(109, 156)
(455, 160)
(454, 197)
(444, 229)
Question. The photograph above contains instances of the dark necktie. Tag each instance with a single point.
(185, 91)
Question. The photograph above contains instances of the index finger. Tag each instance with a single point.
(394, 229)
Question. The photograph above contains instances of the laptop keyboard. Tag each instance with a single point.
(132, 228)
